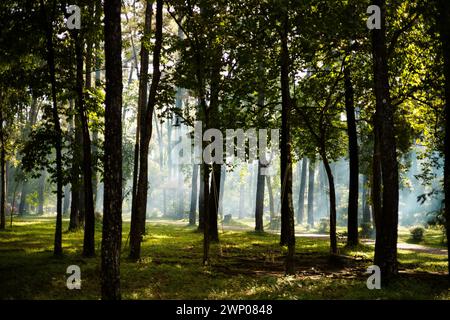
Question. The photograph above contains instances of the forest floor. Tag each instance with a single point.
(244, 265)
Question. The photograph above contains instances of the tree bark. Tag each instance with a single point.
(287, 210)
(386, 239)
(214, 202)
(23, 205)
(142, 101)
(301, 194)
(89, 214)
(3, 176)
(201, 201)
(259, 207)
(194, 189)
(112, 203)
(271, 202)
(333, 238)
(444, 18)
(352, 218)
(138, 224)
(57, 127)
(311, 181)
(41, 191)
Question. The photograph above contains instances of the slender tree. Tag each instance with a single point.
(112, 203)
(387, 221)
(146, 120)
(352, 220)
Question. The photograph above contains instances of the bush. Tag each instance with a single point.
(417, 234)
(324, 226)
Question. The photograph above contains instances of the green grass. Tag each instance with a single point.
(433, 237)
(245, 265)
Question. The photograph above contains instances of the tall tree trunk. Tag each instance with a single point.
(89, 215)
(66, 203)
(194, 189)
(444, 18)
(365, 203)
(3, 177)
(41, 191)
(206, 218)
(57, 127)
(138, 223)
(287, 210)
(259, 207)
(223, 175)
(352, 221)
(142, 101)
(112, 200)
(301, 194)
(201, 201)
(271, 202)
(311, 181)
(333, 238)
(386, 240)
(241, 200)
(214, 202)
(23, 204)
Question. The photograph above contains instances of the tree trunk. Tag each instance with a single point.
(23, 205)
(333, 239)
(194, 189)
(301, 194)
(138, 223)
(66, 203)
(41, 190)
(3, 176)
(444, 18)
(386, 240)
(352, 220)
(89, 215)
(311, 176)
(214, 202)
(57, 127)
(365, 203)
(287, 210)
(241, 200)
(223, 175)
(142, 101)
(206, 219)
(259, 207)
(112, 200)
(271, 203)
(201, 201)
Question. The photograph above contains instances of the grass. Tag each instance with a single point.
(245, 265)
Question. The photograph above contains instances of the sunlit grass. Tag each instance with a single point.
(244, 265)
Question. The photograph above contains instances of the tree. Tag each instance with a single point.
(443, 19)
(352, 221)
(301, 193)
(387, 221)
(287, 210)
(311, 184)
(57, 127)
(142, 101)
(194, 188)
(146, 121)
(112, 204)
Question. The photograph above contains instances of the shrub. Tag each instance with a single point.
(417, 234)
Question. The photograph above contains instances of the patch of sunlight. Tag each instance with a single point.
(158, 236)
